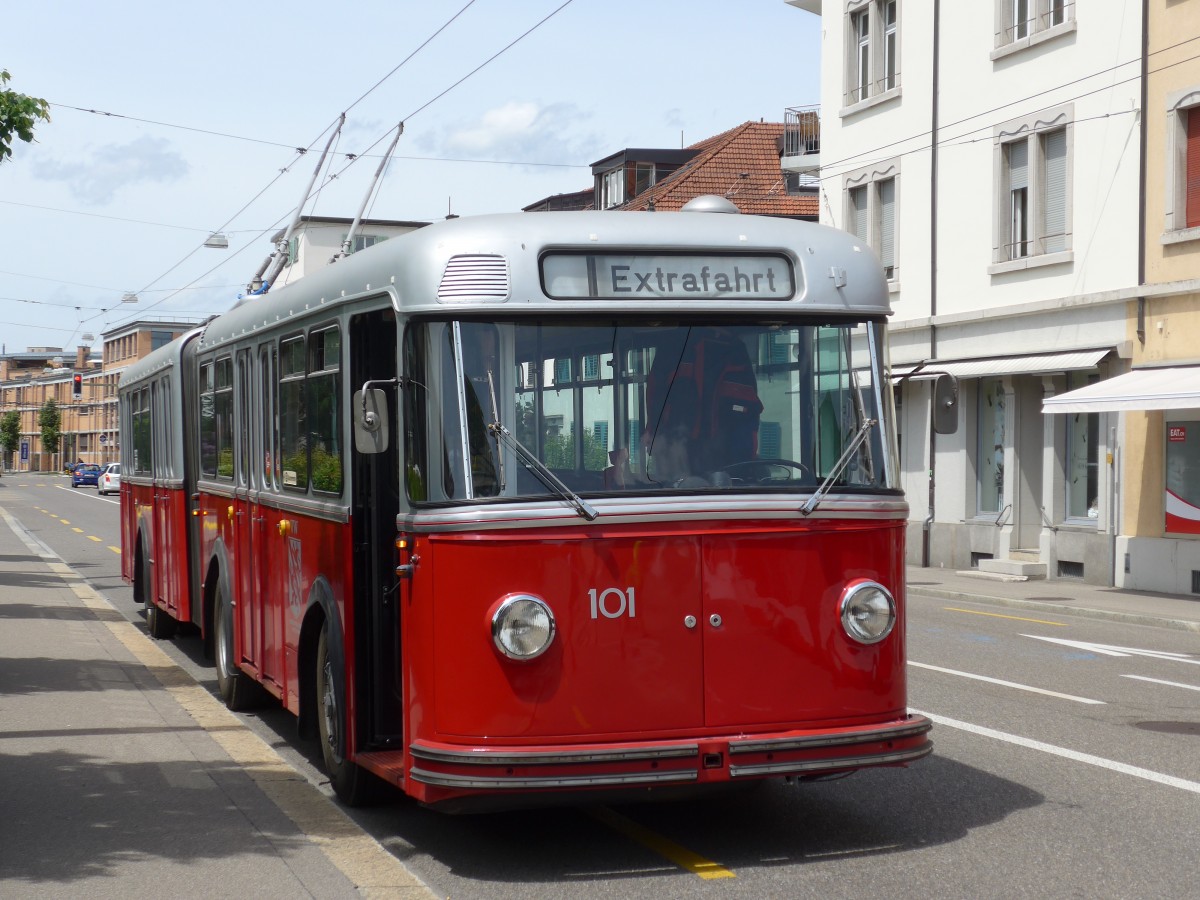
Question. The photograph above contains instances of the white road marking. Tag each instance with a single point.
(1157, 777)
(1011, 684)
(1190, 687)
(1110, 650)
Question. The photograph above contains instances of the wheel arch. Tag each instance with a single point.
(216, 572)
(321, 609)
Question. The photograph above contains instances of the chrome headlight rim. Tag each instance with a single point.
(509, 607)
(852, 624)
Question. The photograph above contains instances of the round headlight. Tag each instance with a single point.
(523, 627)
(868, 612)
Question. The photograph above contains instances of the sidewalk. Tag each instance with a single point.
(1063, 595)
(121, 776)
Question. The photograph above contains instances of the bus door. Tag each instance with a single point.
(248, 643)
(168, 553)
(266, 556)
(376, 499)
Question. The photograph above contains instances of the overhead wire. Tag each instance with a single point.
(383, 136)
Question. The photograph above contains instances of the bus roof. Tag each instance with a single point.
(495, 265)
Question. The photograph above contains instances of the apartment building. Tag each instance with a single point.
(88, 418)
(990, 154)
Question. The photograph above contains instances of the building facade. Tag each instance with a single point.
(88, 420)
(1158, 548)
(993, 164)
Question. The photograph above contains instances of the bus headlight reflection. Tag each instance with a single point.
(523, 627)
(868, 612)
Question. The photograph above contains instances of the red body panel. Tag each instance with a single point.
(272, 570)
(779, 656)
(160, 514)
(774, 665)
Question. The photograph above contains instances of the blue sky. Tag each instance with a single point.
(171, 121)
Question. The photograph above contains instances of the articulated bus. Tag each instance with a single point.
(517, 508)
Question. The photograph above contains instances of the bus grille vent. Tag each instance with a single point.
(476, 276)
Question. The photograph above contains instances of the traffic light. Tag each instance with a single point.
(77, 385)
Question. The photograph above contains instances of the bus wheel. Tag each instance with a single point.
(237, 689)
(160, 625)
(351, 783)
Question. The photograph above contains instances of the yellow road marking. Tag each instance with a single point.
(681, 856)
(77, 530)
(976, 612)
(116, 550)
(65, 522)
(92, 537)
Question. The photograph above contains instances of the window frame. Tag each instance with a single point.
(872, 180)
(1018, 30)
(872, 54)
(1035, 131)
(1182, 105)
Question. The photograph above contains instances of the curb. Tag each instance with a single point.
(1089, 612)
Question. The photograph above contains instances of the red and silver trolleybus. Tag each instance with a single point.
(519, 506)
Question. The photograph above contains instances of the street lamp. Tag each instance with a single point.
(217, 241)
(129, 297)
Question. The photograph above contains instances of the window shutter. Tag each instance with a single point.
(1018, 167)
(1055, 198)
(1192, 216)
(887, 225)
(856, 219)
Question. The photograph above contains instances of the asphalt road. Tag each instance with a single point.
(1061, 769)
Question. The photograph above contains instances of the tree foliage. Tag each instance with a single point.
(50, 421)
(18, 115)
(10, 432)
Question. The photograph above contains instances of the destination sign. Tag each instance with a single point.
(624, 276)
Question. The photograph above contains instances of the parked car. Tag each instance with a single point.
(88, 473)
(110, 479)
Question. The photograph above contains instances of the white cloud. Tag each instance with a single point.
(523, 132)
(96, 180)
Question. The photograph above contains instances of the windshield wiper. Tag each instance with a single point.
(548, 478)
(842, 462)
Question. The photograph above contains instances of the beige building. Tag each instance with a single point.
(89, 424)
(1160, 533)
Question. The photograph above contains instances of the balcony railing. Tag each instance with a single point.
(801, 139)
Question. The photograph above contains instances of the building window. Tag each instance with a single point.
(363, 241)
(871, 208)
(1183, 166)
(872, 51)
(991, 445)
(159, 339)
(1023, 23)
(1033, 191)
(611, 187)
(1083, 456)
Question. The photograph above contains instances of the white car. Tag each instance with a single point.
(110, 479)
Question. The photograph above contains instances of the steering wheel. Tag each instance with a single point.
(766, 470)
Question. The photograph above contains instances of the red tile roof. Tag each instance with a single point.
(741, 164)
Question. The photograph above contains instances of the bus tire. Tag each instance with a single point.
(352, 784)
(160, 625)
(237, 689)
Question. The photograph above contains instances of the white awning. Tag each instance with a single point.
(1170, 388)
(1043, 363)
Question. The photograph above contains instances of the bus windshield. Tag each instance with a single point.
(645, 407)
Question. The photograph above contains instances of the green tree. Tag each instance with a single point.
(18, 116)
(50, 420)
(10, 432)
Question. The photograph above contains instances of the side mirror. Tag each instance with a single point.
(945, 404)
(370, 421)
